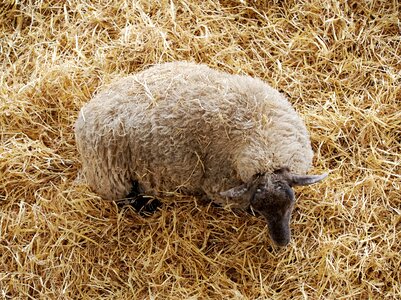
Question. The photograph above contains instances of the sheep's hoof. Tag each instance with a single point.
(143, 205)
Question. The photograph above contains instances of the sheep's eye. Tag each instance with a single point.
(258, 190)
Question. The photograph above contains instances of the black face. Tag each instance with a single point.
(274, 199)
(271, 195)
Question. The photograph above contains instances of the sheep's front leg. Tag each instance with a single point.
(144, 205)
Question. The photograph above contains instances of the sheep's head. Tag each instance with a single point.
(272, 196)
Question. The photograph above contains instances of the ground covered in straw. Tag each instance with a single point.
(338, 63)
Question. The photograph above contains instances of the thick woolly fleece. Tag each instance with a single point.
(183, 127)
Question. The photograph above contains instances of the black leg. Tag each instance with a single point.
(144, 205)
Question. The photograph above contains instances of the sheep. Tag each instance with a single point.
(184, 127)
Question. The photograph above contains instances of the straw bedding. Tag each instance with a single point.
(338, 63)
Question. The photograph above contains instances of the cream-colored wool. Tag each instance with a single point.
(184, 127)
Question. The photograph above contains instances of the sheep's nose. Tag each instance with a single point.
(282, 241)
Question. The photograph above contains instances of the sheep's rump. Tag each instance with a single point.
(185, 127)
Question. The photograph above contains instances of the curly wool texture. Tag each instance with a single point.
(185, 127)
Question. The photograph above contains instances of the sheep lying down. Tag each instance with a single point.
(184, 127)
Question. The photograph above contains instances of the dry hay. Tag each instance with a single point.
(339, 62)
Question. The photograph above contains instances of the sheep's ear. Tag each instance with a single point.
(305, 179)
(235, 192)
